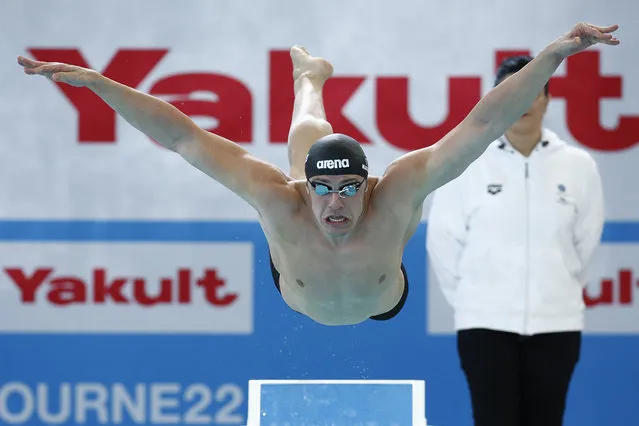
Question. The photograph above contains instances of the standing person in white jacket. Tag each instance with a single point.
(509, 241)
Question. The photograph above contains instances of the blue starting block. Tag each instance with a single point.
(336, 402)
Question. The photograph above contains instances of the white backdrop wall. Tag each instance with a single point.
(85, 194)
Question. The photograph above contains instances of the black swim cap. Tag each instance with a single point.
(336, 154)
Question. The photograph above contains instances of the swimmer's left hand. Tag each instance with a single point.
(59, 72)
(583, 35)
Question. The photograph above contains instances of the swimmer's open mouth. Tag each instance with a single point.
(336, 219)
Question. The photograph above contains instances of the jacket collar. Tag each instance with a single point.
(549, 142)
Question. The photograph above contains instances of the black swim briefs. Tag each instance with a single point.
(381, 317)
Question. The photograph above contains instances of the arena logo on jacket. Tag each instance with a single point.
(494, 188)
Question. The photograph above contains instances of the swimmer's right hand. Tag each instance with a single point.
(56, 71)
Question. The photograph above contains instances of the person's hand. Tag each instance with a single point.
(582, 36)
(56, 71)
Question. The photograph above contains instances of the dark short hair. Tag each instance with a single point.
(511, 65)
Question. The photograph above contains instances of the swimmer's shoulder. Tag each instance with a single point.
(283, 199)
(372, 181)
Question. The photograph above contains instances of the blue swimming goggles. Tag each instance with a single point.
(348, 190)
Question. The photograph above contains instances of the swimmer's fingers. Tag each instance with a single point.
(598, 34)
(32, 67)
(604, 30)
(63, 73)
(29, 63)
(48, 69)
(583, 35)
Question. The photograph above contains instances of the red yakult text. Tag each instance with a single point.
(583, 87)
(619, 291)
(45, 283)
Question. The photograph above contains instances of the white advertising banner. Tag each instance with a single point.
(127, 288)
(405, 73)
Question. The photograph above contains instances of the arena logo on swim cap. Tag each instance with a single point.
(333, 164)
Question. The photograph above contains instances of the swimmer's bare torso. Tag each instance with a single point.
(345, 283)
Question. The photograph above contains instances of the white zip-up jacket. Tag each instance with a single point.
(509, 240)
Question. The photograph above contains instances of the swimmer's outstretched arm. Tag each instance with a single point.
(422, 171)
(223, 160)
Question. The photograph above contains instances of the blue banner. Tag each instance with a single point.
(133, 379)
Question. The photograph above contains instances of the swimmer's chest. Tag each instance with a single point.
(307, 260)
(353, 269)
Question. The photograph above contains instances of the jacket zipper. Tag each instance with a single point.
(527, 260)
